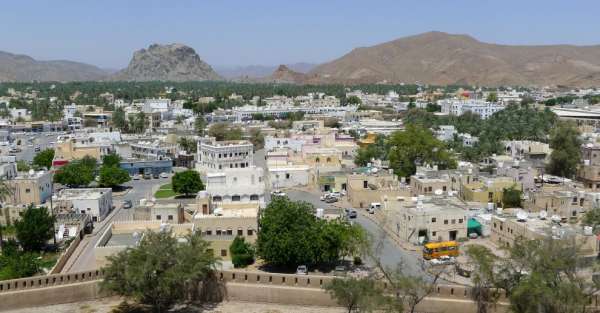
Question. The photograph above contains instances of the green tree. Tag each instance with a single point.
(15, 263)
(417, 145)
(492, 97)
(189, 145)
(592, 218)
(566, 153)
(187, 182)
(354, 100)
(199, 125)
(43, 159)
(257, 138)
(511, 197)
(223, 131)
(377, 151)
(291, 235)
(22, 166)
(118, 119)
(111, 160)
(162, 271)
(483, 291)
(77, 173)
(35, 228)
(242, 253)
(357, 294)
(112, 176)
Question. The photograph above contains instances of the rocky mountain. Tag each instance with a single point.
(441, 59)
(17, 67)
(285, 75)
(173, 62)
(258, 71)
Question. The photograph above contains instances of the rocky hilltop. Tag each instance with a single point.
(18, 67)
(173, 62)
(285, 75)
(440, 58)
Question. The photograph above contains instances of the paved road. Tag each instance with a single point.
(390, 254)
(37, 139)
(84, 258)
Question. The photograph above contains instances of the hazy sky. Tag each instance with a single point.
(244, 32)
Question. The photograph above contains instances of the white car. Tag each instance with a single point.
(302, 270)
(443, 260)
(136, 177)
(164, 175)
(278, 193)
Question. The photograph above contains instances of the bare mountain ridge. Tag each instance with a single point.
(172, 62)
(18, 67)
(441, 59)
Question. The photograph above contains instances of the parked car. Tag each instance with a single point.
(37, 149)
(278, 193)
(127, 204)
(331, 199)
(340, 270)
(335, 194)
(302, 270)
(136, 177)
(148, 176)
(164, 175)
(352, 213)
(155, 176)
(443, 260)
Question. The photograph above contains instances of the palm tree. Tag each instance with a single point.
(5, 193)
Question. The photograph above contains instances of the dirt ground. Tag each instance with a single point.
(106, 305)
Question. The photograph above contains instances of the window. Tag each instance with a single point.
(433, 219)
(445, 222)
(235, 198)
(433, 234)
(287, 176)
(444, 188)
(218, 232)
(365, 184)
(223, 252)
(240, 232)
(27, 190)
(250, 232)
(328, 159)
(170, 217)
(460, 220)
(453, 221)
(208, 232)
(158, 217)
(217, 199)
(253, 197)
(230, 232)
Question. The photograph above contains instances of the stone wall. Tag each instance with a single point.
(241, 286)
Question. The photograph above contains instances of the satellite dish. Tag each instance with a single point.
(374, 170)
(438, 192)
(31, 172)
(555, 218)
(543, 215)
(521, 216)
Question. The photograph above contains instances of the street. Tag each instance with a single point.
(42, 140)
(390, 253)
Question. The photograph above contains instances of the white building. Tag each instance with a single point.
(445, 132)
(218, 155)
(96, 202)
(459, 107)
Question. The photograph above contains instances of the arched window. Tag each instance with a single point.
(235, 198)
(317, 160)
(217, 199)
(254, 197)
(328, 159)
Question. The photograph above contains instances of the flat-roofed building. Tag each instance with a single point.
(96, 202)
(30, 188)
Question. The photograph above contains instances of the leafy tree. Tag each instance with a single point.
(377, 150)
(118, 119)
(257, 138)
(432, 107)
(356, 294)
(242, 253)
(492, 97)
(112, 176)
(188, 144)
(77, 173)
(483, 277)
(417, 145)
(15, 263)
(43, 159)
(162, 271)
(511, 197)
(22, 166)
(291, 235)
(187, 182)
(592, 218)
(199, 125)
(111, 160)
(354, 100)
(566, 153)
(224, 131)
(35, 228)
